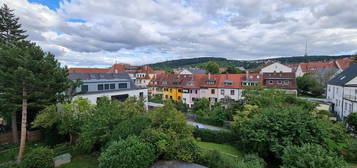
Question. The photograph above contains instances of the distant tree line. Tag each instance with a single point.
(223, 62)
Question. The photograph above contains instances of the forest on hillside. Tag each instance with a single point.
(223, 62)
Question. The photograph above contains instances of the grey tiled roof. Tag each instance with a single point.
(82, 76)
(197, 71)
(345, 76)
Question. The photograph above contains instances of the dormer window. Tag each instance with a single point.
(191, 83)
(312, 68)
(228, 83)
(210, 82)
(164, 82)
(176, 83)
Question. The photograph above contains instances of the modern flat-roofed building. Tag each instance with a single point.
(115, 86)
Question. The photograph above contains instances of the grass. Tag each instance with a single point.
(8, 155)
(223, 148)
(82, 161)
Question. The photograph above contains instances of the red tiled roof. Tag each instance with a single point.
(116, 68)
(87, 70)
(311, 67)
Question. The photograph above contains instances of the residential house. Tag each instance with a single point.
(191, 89)
(342, 92)
(141, 75)
(209, 87)
(230, 87)
(280, 80)
(313, 67)
(115, 86)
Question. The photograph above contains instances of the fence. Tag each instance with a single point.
(32, 136)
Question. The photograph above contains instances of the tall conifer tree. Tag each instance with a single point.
(29, 77)
(10, 34)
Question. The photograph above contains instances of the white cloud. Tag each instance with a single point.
(146, 31)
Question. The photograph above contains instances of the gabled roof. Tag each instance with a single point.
(312, 67)
(345, 76)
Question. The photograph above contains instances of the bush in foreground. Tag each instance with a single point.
(40, 157)
(130, 152)
(214, 159)
(310, 155)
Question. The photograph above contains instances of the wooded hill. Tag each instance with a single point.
(223, 62)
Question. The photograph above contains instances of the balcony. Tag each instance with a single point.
(350, 97)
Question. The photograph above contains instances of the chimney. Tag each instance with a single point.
(209, 76)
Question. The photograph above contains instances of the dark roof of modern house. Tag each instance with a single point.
(345, 76)
(98, 76)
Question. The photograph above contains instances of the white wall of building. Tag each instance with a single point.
(92, 97)
(276, 67)
(299, 72)
(223, 93)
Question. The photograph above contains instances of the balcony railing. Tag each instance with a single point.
(350, 97)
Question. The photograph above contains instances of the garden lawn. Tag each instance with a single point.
(82, 161)
(223, 148)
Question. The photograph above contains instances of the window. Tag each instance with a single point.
(166, 96)
(222, 91)
(279, 81)
(196, 91)
(100, 87)
(232, 92)
(210, 82)
(141, 94)
(286, 82)
(164, 82)
(106, 86)
(112, 86)
(123, 85)
(345, 105)
(84, 88)
(191, 83)
(212, 91)
(180, 90)
(171, 97)
(179, 97)
(228, 83)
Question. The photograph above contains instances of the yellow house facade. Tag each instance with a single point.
(174, 94)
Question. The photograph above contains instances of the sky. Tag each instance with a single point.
(98, 33)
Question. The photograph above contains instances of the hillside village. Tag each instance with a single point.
(204, 112)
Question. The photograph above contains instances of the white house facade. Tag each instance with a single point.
(342, 92)
(276, 67)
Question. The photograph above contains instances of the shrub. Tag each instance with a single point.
(272, 129)
(214, 136)
(350, 154)
(310, 155)
(169, 147)
(183, 149)
(352, 122)
(130, 152)
(39, 157)
(214, 159)
(132, 126)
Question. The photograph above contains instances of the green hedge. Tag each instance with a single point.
(214, 136)
(209, 121)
